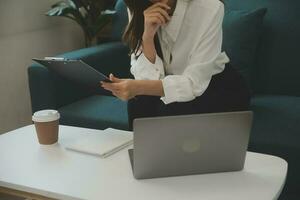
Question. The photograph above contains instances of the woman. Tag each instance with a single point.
(177, 61)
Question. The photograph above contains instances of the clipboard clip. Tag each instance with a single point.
(56, 58)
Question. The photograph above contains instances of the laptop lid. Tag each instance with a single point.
(190, 144)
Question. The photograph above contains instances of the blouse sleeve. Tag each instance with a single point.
(143, 69)
(206, 61)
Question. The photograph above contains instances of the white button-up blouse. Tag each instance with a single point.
(191, 46)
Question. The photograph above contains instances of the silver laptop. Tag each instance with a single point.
(190, 144)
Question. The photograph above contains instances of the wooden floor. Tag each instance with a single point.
(9, 197)
(11, 194)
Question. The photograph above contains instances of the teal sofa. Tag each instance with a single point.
(275, 85)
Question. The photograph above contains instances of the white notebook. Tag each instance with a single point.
(102, 144)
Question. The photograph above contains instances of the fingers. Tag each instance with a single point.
(119, 87)
(114, 79)
(111, 77)
(110, 86)
(118, 90)
(157, 18)
(160, 11)
(161, 5)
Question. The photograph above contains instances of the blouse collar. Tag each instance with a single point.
(174, 25)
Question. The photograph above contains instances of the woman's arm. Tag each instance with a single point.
(149, 87)
(149, 49)
(126, 89)
(155, 16)
(149, 66)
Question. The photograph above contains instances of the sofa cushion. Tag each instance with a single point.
(241, 33)
(98, 112)
(276, 131)
(277, 70)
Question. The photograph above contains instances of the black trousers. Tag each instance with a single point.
(227, 92)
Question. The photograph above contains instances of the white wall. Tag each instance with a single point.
(26, 33)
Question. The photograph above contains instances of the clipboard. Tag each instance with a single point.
(74, 70)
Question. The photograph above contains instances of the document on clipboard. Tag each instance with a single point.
(74, 70)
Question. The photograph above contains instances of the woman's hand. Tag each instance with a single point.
(124, 89)
(155, 16)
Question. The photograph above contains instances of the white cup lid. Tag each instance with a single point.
(45, 116)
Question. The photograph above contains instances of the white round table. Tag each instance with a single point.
(54, 172)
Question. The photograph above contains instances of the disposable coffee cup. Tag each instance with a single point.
(46, 124)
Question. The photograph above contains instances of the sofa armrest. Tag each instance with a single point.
(41, 88)
(49, 90)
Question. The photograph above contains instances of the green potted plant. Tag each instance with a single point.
(93, 16)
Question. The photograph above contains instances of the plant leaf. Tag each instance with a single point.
(72, 4)
(57, 4)
(59, 9)
(78, 3)
(65, 9)
(89, 14)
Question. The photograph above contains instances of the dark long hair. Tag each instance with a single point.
(135, 29)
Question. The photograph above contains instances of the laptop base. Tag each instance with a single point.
(130, 153)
